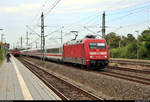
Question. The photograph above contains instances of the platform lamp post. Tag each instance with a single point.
(120, 37)
(137, 46)
(137, 43)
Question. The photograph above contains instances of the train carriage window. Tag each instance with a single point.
(39, 51)
(53, 50)
(97, 45)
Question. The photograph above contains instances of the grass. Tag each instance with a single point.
(2, 55)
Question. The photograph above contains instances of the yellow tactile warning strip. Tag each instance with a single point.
(25, 91)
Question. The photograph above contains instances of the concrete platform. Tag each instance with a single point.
(19, 83)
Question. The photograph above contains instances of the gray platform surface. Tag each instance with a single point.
(18, 83)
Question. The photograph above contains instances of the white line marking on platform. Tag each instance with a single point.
(25, 90)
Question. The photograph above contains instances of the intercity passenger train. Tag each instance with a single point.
(87, 52)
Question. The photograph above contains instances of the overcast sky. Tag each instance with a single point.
(122, 17)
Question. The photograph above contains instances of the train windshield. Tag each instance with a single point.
(97, 45)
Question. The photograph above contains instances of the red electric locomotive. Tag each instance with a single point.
(16, 52)
(87, 52)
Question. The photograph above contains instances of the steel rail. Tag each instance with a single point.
(127, 77)
(128, 69)
(84, 92)
(131, 62)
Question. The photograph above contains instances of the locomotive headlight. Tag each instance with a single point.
(91, 56)
(103, 53)
(105, 56)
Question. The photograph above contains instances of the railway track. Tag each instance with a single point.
(64, 89)
(127, 77)
(131, 62)
(129, 70)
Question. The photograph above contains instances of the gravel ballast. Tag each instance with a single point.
(101, 85)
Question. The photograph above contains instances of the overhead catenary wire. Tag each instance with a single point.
(82, 19)
(45, 14)
(37, 16)
(45, 10)
(121, 16)
(126, 15)
(53, 6)
(34, 41)
(123, 10)
(91, 20)
(56, 2)
(70, 26)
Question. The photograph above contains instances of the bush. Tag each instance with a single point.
(143, 51)
(2, 54)
(130, 51)
(118, 52)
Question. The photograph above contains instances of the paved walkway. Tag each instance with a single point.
(19, 83)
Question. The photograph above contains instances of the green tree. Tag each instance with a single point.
(128, 47)
(144, 44)
(127, 40)
(2, 54)
(113, 40)
(131, 51)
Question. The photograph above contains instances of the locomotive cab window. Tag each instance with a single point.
(97, 45)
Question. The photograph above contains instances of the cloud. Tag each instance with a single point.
(24, 9)
(78, 3)
(72, 6)
(80, 6)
